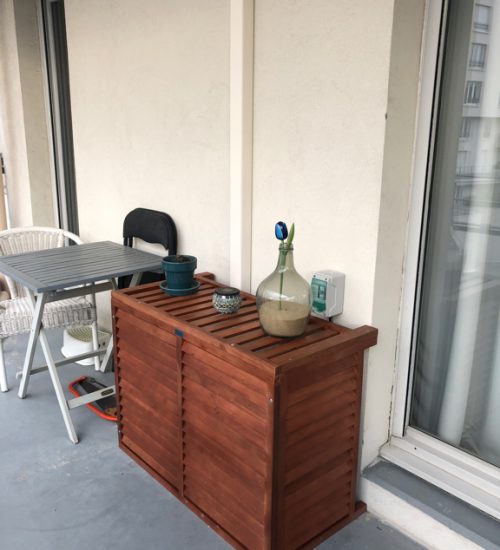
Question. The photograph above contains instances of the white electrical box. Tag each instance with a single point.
(327, 293)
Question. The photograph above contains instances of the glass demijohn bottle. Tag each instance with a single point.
(284, 298)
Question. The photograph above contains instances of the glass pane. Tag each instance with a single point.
(456, 388)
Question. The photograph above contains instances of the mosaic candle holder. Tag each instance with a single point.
(226, 300)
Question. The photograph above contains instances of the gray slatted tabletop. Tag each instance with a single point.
(59, 268)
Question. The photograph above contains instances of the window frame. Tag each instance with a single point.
(477, 46)
(453, 470)
(473, 90)
(478, 26)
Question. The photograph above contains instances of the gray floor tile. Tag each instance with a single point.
(55, 495)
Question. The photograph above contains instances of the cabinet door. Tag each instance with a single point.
(227, 416)
(147, 382)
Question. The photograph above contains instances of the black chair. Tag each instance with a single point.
(153, 227)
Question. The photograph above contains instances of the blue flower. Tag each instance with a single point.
(281, 231)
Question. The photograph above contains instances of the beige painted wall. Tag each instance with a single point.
(393, 218)
(149, 89)
(321, 93)
(12, 136)
(24, 136)
(149, 94)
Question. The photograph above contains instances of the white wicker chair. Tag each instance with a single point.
(16, 313)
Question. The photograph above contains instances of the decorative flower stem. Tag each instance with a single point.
(281, 233)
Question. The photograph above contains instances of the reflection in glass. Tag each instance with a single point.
(456, 389)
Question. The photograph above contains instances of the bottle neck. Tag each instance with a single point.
(285, 257)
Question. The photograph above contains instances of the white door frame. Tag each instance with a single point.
(463, 475)
(51, 77)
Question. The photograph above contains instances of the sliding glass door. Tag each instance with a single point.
(54, 27)
(455, 394)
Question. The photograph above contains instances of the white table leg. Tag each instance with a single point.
(95, 335)
(106, 360)
(38, 333)
(37, 306)
(3, 374)
(63, 405)
(136, 279)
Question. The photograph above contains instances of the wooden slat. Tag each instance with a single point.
(305, 351)
(330, 394)
(343, 420)
(218, 451)
(328, 495)
(158, 298)
(216, 316)
(138, 412)
(151, 403)
(226, 369)
(310, 465)
(317, 442)
(189, 303)
(144, 379)
(201, 314)
(157, 349)
(238, 328)
(309, 493)
(235, 383)
(318, 518)
(161, 356)
(124, 320)
(200, 462)
(229, 389)
(130, 365)
(226, 518)
(160, 467)
(295, 344)
(315, 478)
(224, 414)
(164, 453)
(311, 386)
(338, 406)
(221, 324)
(149, 369)
(342, 346)
(269, 342)
(243, 447)
(252, 335)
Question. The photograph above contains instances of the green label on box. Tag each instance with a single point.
(318, 288)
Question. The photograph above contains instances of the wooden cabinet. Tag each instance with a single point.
(257, 435)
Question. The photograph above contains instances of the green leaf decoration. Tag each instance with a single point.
(291, 235)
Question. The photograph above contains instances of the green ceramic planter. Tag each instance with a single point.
(179, 270)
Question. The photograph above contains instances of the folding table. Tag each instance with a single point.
(60, 273)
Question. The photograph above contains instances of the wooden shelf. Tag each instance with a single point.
(257, 435)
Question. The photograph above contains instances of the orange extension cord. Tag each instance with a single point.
(91, 406)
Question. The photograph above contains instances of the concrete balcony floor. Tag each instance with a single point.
(55, 495)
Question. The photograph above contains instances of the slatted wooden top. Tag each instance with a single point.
(58, 268)
(242, 331)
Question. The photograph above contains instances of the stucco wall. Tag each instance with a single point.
(24, 135)
(333, 141)
(321, 72)
(393, 217)
(149, 95)
(12, 136)
(321, 84)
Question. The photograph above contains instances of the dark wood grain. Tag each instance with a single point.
(258, 435)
